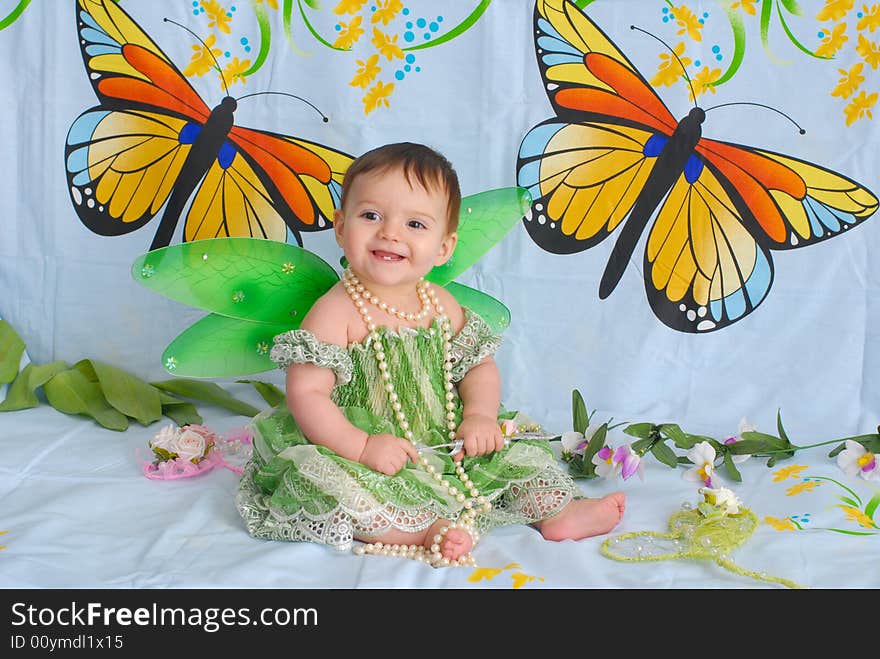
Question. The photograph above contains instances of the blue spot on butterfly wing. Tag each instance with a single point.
(654, 145)
(756, 285)
(99, 36)
(821, 218)
(692, 169)
(533, 145)
(86, 18)
(555, 44)
(226, 155)
(189, 133)
(552, 59)
(99, 49)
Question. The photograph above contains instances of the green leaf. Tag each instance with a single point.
(780, 428)
(11, 350)
(664, 454)
(770, 442)
(597, 441)
(270, 393)
(181, 412)
(209, 392)
(642, 430)
(732, 471)
(21, 394)
(640, 445)
(579, 417)
(72, 392)
(748, 447)
(125, 392)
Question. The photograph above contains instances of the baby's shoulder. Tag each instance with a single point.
(330, 317)
(451, 308)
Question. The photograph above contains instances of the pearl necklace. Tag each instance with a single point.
(471, 505)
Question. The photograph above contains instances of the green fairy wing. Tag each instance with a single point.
(496, 315)
(255, 289)
(249, 278)
(485, 219)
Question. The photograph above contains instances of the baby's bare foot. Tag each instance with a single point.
(584, 518)
(452, 545)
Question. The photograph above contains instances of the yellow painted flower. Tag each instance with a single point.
(860, 107)
(853, 514)
(387, 11)
(217, 15)
(850, 81)
(703, 81)
(869, 51)
(780, 524)
(366, 72)
(805, 486)
(377, 96)
(202, 60)
(834, 9)
(669, 71)
(688, 22)
(489, 573)
(833, 41)
(748, 6)
(272, 3)
(520, 579)
(793, 471)
(386, 44)
(870, 19)
(349, 33)
(234, 71)
(348, 7)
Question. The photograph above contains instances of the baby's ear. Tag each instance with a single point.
(447, 247)
(337, 225)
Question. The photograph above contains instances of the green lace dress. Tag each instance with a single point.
(295, 490)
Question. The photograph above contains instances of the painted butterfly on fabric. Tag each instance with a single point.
(153, 140)
(614, 154)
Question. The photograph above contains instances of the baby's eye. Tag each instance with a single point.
(416, 224)
(370, 215)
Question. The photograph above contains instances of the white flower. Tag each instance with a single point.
(856, 459)
(190, 445)
(606, 465)
(575, 443)
(166, 438)
(744, 426)
(703, 457)
(721, 499)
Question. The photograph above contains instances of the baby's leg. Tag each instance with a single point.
(584, 518)
(453, 545)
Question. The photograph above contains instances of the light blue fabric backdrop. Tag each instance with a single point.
(810, 349)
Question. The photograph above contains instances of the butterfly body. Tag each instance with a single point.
(207, 146)
(153, 143)
(613, 156)
(674, 156)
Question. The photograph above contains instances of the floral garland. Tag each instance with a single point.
(191, 450)
(588, 454)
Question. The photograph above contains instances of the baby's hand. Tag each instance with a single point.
(387, 454)
(481, 434)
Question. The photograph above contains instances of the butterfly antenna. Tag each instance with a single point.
(207, 50)
(761, 105)
(677, 59)
(324, 118)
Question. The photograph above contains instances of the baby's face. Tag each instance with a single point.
(392, 230)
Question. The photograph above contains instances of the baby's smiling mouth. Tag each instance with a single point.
(382, 255)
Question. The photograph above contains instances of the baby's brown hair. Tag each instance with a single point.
(430, 168)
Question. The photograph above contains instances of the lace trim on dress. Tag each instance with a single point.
(300, 346)
(472, 344)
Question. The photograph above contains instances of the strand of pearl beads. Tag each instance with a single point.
(472, 504)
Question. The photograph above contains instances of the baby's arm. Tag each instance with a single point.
(480, 392)
(308, 389)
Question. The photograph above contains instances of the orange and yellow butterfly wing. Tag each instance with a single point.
(583, 178)
(707, 260)
(151, 121)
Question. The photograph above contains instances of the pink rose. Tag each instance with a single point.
(191, 445)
